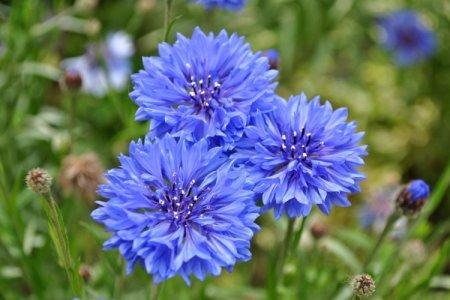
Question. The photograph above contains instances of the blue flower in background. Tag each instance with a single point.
(94, 78)
(380, 206)
(104, 66)
(205, 86)
(226, 4)
(403, 33)
(178, 208)
(119, 49)
(302, 154)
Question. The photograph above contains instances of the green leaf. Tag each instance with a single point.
(342, 252)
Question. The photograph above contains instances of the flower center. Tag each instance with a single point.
(204, 92)
(407, 37)
(180, 201)
(299, 145)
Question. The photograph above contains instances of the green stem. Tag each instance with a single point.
(303, 286)
(387, 228)
(60, 240)
(283, 251)
(168, 8)
(298, 235)
(71, 124)
(434, 200)
(156, 291)
(433, 203)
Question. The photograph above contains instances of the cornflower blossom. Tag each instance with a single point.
(178, 208)
(303, 154)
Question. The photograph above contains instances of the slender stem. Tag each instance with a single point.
(387, 228)
(303, 288)
(156, 291)
(434, 201)
(298, 235)
(72, 108)
(284, 248)
(60, 240)
(168, 8)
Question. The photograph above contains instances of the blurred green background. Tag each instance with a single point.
(327, 47)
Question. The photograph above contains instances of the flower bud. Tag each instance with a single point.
(413, 197)
(363, 285)
(273, 57)
(72, 79)
(39, 181)
(85, 272)
(318, 229)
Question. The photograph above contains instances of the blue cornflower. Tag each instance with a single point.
(205, 86)
(403, 33)
(104, 66)
(178, 208)
(302, 154)
(226, 4)
(413, 197)
(119, 49)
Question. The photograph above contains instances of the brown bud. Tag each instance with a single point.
(85, 272)
(318, 229)
(72, 79)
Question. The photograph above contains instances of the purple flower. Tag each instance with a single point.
(303, 154)
(380, 206)
(403, 33)
(115, 54)
(226, 4)
(205, 86)
(178, 208)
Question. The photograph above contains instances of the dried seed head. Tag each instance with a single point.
(363, 285)
(81, 174)
(39, 181)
